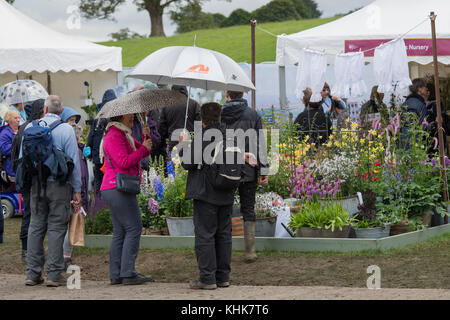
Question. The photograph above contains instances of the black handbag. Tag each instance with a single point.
(127, 183)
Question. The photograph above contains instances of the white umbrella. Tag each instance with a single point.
(194, 67)
(21, 91)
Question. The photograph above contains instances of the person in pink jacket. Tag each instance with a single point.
(124, 153)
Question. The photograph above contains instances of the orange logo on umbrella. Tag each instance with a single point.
(199, 68)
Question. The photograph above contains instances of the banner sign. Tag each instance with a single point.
(415, 47)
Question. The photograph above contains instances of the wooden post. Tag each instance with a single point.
(253, 24)
(49, 83)
(438, 109)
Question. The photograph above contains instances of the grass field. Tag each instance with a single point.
(232, 41)
(425, 265)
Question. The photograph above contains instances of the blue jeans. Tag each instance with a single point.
(127, 229)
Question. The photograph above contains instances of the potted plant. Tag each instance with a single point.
(367, 225)
(266, 206)
(318, 220)
(177, 210)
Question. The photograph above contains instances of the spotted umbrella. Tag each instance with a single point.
(141, 101)
(21, 91)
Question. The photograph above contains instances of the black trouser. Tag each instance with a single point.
(247, 194)
(26, 216)
(98, 177)
(212, 225)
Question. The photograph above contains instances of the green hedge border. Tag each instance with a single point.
(287, 244)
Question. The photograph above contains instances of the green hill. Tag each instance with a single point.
(233, 41)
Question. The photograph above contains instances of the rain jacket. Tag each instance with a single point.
(172, 118)
(6, 138)
(236, 114)
(198, 186)
(68, 113)
(122, 157)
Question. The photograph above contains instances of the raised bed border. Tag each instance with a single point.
(287, 244)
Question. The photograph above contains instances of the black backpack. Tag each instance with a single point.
(226, 169)
(15, 147)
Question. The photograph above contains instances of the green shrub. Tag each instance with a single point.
(237, 17)
(99, 224)
(314, 214)
(278, 10)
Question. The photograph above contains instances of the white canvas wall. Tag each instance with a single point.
(70, 87)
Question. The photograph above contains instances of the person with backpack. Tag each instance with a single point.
(49, 161)
(34, 111)
(211, 187)
(236, 114)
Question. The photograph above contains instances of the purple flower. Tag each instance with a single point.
(153, 206)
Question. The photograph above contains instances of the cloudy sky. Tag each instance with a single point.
(56, 14)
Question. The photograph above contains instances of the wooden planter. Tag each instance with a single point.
(237, 227)
(399, 228)
(323, 233)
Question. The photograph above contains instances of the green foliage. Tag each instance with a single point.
(99, 224)
(175, 204)
(277, 10)
(90, 110)
(102, 9)
(191, 17)
(312, 8)
(10, 1)
(301, 9)
(237, 17)
(218, 19)
(124, 34)
(329, 215)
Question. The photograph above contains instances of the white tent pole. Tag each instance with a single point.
(282, 90)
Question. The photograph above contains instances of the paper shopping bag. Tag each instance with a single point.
(76, 230)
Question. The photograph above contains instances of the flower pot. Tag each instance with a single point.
(180, 226)
(265, 227)
(426, 217)
(237, 227)
(323, 233)
(399, 228)
(373, 233)
(350, 203)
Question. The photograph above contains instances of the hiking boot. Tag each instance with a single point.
(197, 284)
(56, 282)
(147, 278)
(31, 282)
(249, 241)
(139, 279)
(224, 284)
(116, 281)
(24, 256)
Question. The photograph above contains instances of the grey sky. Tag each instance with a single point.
(53, 13)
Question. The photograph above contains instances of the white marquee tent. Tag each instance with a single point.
(380, 21)
(57, 61)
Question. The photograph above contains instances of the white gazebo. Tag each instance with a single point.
(379, 22)
(61, 63)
